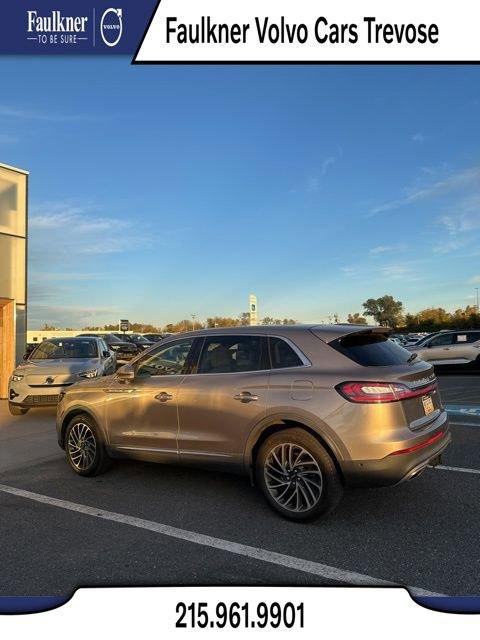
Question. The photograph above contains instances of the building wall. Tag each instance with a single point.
(35, 336)
(13, 267)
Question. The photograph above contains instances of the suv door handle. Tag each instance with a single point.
(163, 396)
(245, 396)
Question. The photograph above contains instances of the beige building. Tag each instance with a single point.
(13, 270)
(39, 335)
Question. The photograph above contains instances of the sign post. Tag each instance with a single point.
(252, 309)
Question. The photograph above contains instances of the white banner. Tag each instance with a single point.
(176, 612)
(311, 31)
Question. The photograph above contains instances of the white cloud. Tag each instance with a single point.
(41, 292)
(418, 137)
(457, 181)
(68, 229)
(395, 271)
(9, 111)
(69, 316)
(432, 170)
(77, 276)
(448, 246)
(386, 248)
(465, 217)
(53, 215)
(349, 271)
(314, 183)
(474, 280)
(327, 163)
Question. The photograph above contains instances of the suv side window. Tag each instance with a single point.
(282, 355)
(442, 340)
(233, 354)
(168, 360)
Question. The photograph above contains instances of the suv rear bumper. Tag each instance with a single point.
(394, 469)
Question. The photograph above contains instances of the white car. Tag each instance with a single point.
(450, 348)
(55, 365)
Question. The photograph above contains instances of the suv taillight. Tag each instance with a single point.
(378, 392)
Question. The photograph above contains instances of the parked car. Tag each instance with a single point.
(458, 348)
(156, 337)
(304, 409)
(137, 339)
(427, 336)
(52, 367)
(124, 350)
(29, 347)
(413, 338)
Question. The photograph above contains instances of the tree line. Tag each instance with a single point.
(388, 312)
(385, 311)
(187, 324)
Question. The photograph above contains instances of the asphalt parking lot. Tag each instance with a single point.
(143, 524)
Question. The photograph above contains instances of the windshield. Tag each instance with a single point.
(423, 340)
(63, 349)
(111, 337)
(136, 338)
(371, 350)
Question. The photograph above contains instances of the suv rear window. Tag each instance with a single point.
(371, 350)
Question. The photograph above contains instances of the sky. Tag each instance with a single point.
(158, 192)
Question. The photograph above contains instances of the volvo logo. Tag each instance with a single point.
(111, 26)
(49, 380)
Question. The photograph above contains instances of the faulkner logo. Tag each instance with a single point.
(111, 27)
(56, 28)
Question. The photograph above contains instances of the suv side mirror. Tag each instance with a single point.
(107, 354)
(125, 373)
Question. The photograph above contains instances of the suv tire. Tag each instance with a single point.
(84, 447)
(297, 475)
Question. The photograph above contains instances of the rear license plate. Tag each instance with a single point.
(428, 405)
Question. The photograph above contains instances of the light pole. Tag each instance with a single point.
(193, 321)
(476, 289)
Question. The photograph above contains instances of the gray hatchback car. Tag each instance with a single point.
(304, 410)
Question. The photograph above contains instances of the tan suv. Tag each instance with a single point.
(305, 410)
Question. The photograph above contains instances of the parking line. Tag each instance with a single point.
(444, 467)
(290, 562)
(457, 412)
(463, 409)
(453, 423)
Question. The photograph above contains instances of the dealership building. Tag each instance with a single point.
(13, 270)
